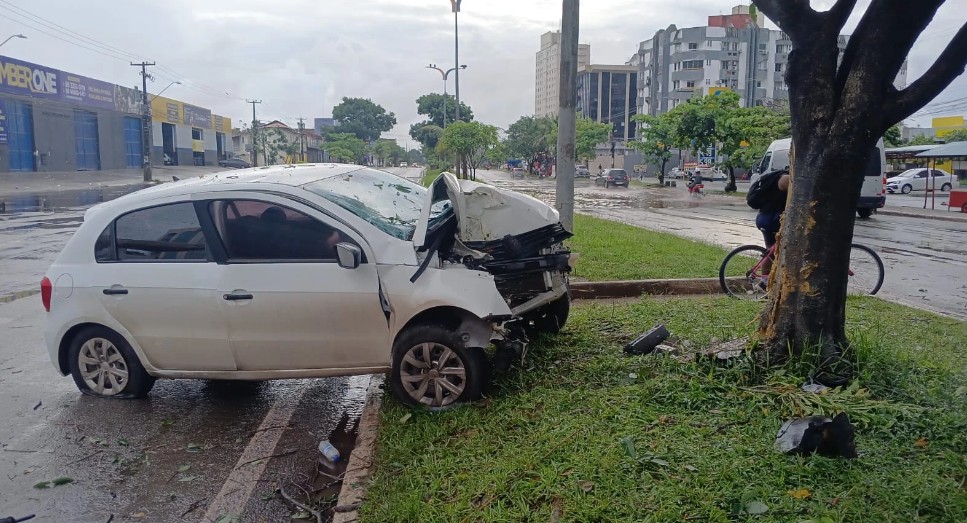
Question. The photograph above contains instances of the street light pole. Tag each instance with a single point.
(12, 37)
(165, 89)
(446, 74)
(145, 118)
(455, 5)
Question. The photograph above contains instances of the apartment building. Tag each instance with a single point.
(547, 78)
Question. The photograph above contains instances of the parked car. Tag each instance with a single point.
(612, 177)
(234, 163)
(302, 272)
(168, 160)
(402, 164)
(919, 180)
(517, 172)
(582, 171)
(676, 173)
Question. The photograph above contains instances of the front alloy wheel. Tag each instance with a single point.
(432, 367)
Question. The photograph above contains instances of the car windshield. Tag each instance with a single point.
(390, 203)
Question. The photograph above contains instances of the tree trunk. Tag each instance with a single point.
(661, 173)
(807, 299)
(731, 187)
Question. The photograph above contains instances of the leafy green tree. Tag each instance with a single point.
(892, 136)
(745, 133)
(348, 146)
(920, 139)
(657, 137)
(531, 137)
(959, 135)
(589, 135)
(497, 155)
(470, 141)
(362, 118)
(431, 105)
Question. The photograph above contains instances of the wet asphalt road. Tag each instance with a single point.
(925, 259)
(194, 450)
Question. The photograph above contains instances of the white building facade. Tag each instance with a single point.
(547, 78)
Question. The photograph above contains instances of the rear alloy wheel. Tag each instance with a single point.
(945, 187)
(103, 364)
(433, 367)
(906, 189)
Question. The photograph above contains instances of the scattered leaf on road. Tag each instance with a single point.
(406, 417)
(42, 484)
(184, 468)
(267, 496)
(167, 422)
(195, 447)
(922, 442)
(802, 493)
(227, 518)
(63, 480)
(756, 507)
(585, 485)
(187, 479)
(302, 514)
(123, 442)
(139, 515)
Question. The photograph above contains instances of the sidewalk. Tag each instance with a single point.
(20, 183)
(930, 214)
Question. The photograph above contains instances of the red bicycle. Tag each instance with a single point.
(741, 272)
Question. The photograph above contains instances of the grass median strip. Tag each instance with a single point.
(585, 433)
(429, 175)
(616, 251)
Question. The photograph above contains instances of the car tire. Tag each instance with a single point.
(551, 318)
(419, 378)
(945, 187)
(120, 374)
(864, 213)
(906, 189)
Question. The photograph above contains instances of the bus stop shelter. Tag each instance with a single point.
(957, 153)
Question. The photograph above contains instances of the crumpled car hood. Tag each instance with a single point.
(484, 212)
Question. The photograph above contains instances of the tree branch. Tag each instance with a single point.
(792, 16)
(949, 65)
(839, 13)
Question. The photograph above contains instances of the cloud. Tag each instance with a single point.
(302, 56)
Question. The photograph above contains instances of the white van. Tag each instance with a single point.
(873, 193)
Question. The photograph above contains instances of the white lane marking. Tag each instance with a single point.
(238, 487)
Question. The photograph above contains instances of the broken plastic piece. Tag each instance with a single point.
(647, 342)
(830, 437)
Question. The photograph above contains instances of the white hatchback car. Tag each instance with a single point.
(306, 271)
(920, 179)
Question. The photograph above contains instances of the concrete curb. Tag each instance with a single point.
(596, 290)
(954, 216)
(356, 479)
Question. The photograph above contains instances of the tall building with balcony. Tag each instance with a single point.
(733, 52)
(547, 78)
(606, 93)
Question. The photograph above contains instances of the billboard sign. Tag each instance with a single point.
(198, 117)
(86, 91)
(27, 79)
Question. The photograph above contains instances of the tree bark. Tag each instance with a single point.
(661, 173)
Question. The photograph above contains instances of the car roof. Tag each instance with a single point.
(290, 175)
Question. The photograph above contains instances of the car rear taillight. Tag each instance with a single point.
(45, 291)
(883, 189)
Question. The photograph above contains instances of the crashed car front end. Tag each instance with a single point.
(514, 238)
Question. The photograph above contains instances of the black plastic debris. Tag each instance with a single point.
(830, 437)
(647, 342)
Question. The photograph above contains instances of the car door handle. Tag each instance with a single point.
(236, 297)
(115, 291)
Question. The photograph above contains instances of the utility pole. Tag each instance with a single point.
(567, 115)
(145, 119)
(456, 54)
(302, 150)
(255, 133)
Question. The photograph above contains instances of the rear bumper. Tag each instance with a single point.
(871, 202)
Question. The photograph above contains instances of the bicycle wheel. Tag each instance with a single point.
(736, 274)
(865, 271)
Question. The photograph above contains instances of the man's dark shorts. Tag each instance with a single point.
(768, 223)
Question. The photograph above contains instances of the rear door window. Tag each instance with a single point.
(166, 233)
(873, 167)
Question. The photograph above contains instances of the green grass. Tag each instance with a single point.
(585, 433)
(963, 183)
(429, 175)
(615, 251)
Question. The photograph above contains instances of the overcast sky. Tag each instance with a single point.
(300, 57)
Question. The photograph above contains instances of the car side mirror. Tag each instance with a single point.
(348, 255)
